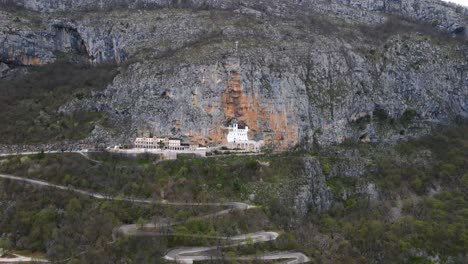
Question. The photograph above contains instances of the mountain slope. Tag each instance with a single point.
(302, 73)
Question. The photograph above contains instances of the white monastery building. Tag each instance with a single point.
(238, 138)
(174, 142)
(237, 135)
(158, 143)
(148, 143)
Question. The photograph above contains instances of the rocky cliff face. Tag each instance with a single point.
(431, 11)
(302, 72)
(314, 193)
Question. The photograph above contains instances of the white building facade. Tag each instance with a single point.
(174, 142)
(146, 143)
(238, 138)
(237, 135)
(158, 143)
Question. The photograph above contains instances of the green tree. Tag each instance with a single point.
(43, 225)
(140, 223)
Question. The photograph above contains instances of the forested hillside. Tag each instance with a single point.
(408, 206)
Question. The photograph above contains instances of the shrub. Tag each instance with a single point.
(237, 185)
(362, 122)
(416, 183)
(380, 114)
(408, 116)
(336, 186)
(5, 244)
(351, 203)
(40, 155)
(140, 223)
(327, 163)
(252, 164)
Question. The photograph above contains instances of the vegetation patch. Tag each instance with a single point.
(327, 163)
(336, 186)
(408, 116)
(29, 103)
(421, 187)
(362, 122)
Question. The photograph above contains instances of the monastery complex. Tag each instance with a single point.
(163, 144)
(237, 139)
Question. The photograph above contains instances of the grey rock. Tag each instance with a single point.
(315, 192)
(67, 39)
(304, 72)
(3, 69)
(22, 43)
(429, 11)
(349, 164)
(289, 104)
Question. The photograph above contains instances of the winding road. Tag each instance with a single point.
(189, 255)
(17, 258)
(83, 153)
(179, 255)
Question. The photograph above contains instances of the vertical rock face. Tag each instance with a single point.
(21, 44)
(22, 50)
(344, 180)
(96, 44)
(324, 93)
(244, 104)
(315, 192)
(67, 39)
(106, 43)
(32, 41)
(293, 78)
(199, 101)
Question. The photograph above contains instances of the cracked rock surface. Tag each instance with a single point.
(301, 73)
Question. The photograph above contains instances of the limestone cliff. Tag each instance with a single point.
(302, 72)
(445, 15)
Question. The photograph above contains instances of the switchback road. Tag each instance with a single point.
(179, 255)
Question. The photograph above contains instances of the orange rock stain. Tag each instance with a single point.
(31, 60)
(265, 119)
(246, 108)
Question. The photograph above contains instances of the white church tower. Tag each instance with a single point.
(237, 135)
